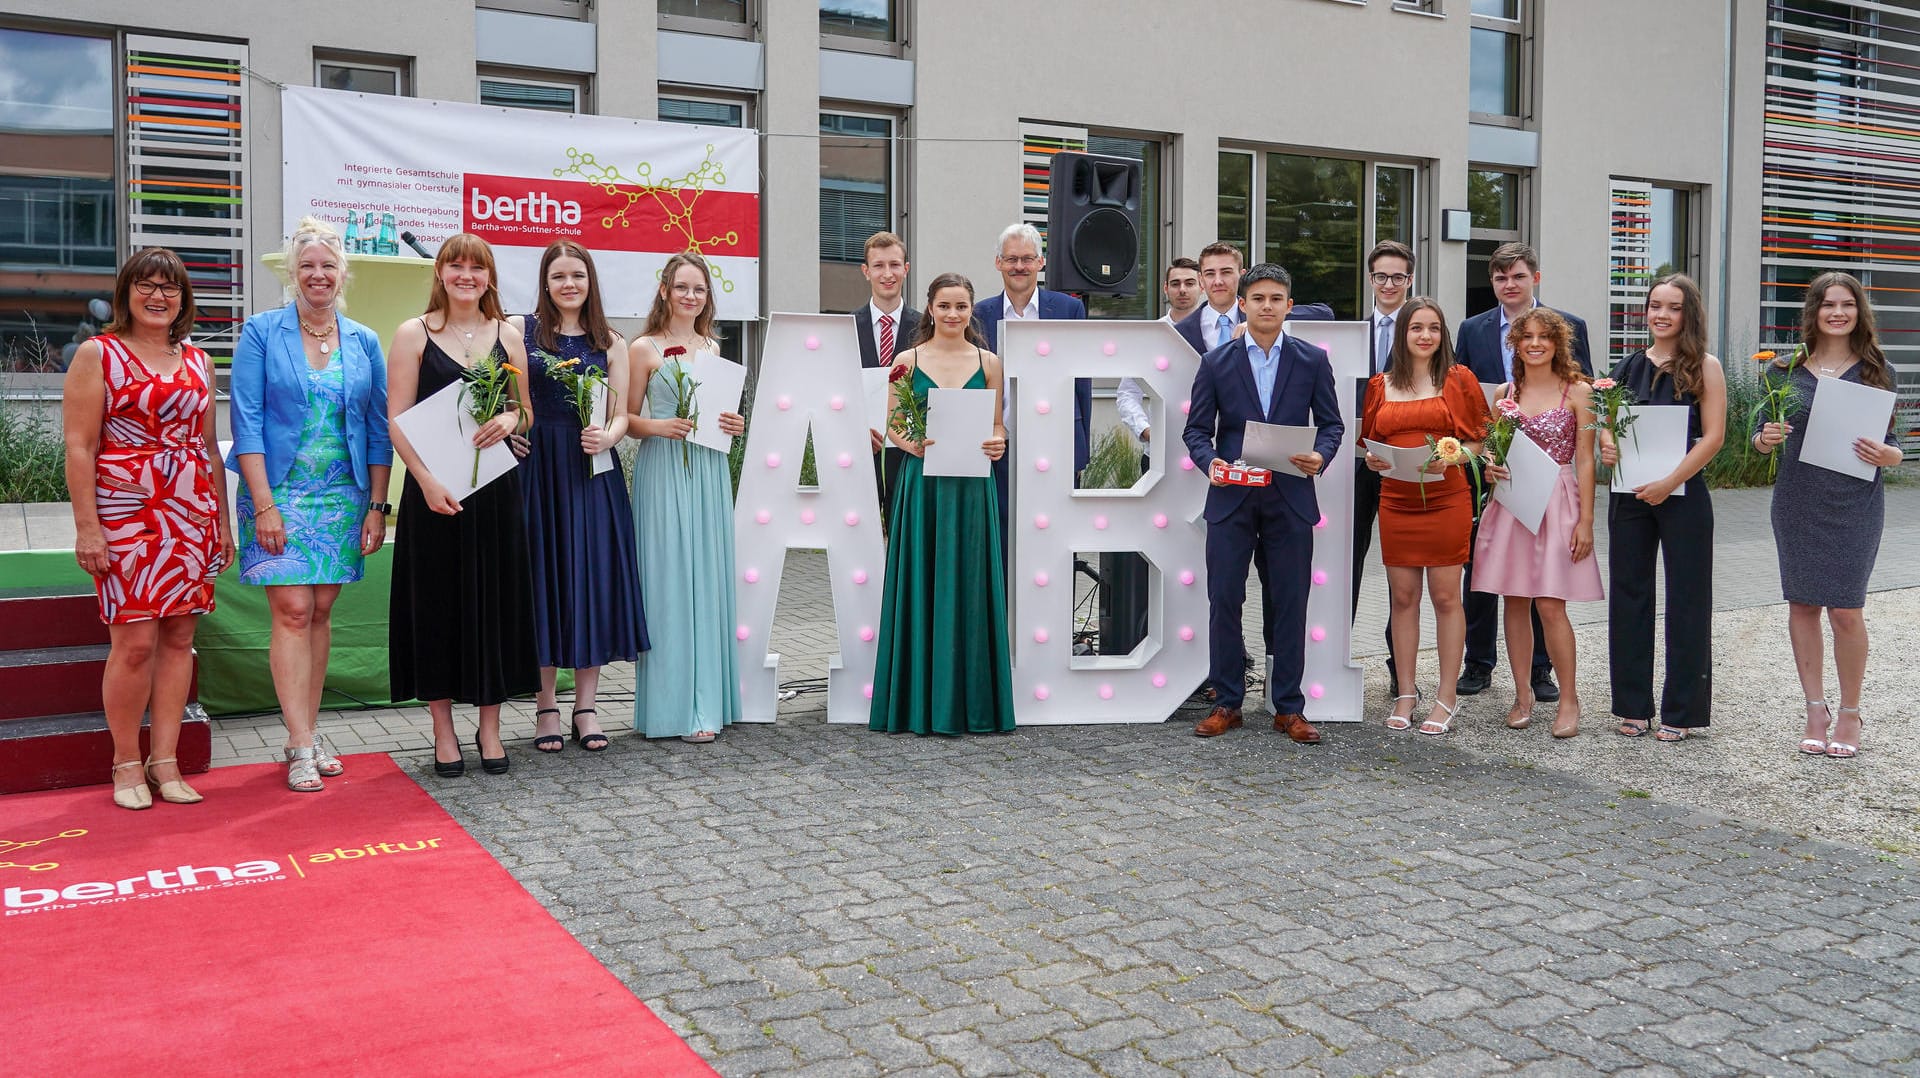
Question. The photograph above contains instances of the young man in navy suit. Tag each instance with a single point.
(1514, 269)
(884, 325)
(1019, 259)
(1271, 377)
(1220, 277)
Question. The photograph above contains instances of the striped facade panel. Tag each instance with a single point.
(1841, 183)
(1038, 144)
(186, 145)
(1630, 268)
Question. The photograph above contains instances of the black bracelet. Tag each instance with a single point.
(383, 508)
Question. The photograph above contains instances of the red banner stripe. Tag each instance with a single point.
(525, 211)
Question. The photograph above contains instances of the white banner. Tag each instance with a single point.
(632, 191)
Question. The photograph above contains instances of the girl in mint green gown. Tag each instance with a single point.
(688, 685)
(943, 665)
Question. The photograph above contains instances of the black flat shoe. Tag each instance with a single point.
(450, 770)
(591, 742)
(548, 742)
(492, 765)
(1544, 690)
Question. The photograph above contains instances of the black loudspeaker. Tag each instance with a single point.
(1093, 225)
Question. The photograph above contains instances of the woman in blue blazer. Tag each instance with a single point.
(309, 414)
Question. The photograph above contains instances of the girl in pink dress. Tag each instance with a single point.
(1552, 402)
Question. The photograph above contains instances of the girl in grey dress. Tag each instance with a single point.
(1826, 525)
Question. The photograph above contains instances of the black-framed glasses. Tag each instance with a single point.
(163, 289)
(1384, 279)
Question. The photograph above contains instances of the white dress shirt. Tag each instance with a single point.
(875, 314)
(1210, 323)
(1131, 401)
(1031, 310)
(1383, 338)
(1506, 349)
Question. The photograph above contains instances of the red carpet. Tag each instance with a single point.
(355, 931)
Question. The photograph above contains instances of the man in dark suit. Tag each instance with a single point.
(1215, 319)
(1270, 377)
(885, 326)
(1482, 345)
(1019, 259)
(1390, 273)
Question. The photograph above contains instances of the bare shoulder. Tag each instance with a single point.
(411, 332)
(518, 322)
(1580, 392)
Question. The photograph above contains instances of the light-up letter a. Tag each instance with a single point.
(1159, 517)
(809, 377)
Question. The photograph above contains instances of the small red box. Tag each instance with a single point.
(1242, 474)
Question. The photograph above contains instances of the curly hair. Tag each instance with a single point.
(1560, 330)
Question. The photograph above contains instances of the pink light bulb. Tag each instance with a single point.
(783, 402)
(1041, 464)
(1319, 576)
(751, 576)
(1186, 464)
(866, 632)
(1040, 580)
(1186, 632)
(845, 460)
(762, 517)
(806, 516)
(1099, 524)
(853, 520)
(1040, 692)
(1160, 363)
(1159, 520)
(741, 633)
(1039, 636)
(773, 460)
(1316, 690)
(867, 690)
(837, 403)
(859, 576)
(813, 344)
(1318, 633)
(1186, 407)
(1322, 522)
(1109, 348)
(1159, 681)
(1041, 520)
(1186, 577)
(1041, 407)
(1043, 348)
(1106, 692)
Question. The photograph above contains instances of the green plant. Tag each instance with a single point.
(1114, 463)
(1738, 463)
(33, 457)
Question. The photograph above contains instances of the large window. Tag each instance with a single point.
(726, 17)
(856, 200)
(1497, 63)
(1493, 201)
(1317, 216)
(361, 74)
(869, 19)
(713, 112)
(1145, 302)
(59, 237)
(518, 90)
(1650, 235)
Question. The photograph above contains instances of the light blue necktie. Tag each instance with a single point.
(1226, 331)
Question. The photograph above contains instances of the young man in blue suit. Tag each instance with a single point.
(1273, 378)
(1019, 259)
(1220, 278)
(1514, 269)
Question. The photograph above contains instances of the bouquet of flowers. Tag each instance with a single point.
(580, 385)
(1778, 398)
(1501, 429)
(684, 404)
(1612, 407)
(1449, 451)
(488, 392)
(909, 408)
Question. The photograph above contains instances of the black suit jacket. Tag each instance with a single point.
(1189, 327)
(1478, 345)
(906, 320)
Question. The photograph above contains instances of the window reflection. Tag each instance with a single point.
(857, 18)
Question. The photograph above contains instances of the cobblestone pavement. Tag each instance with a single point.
(820, 900)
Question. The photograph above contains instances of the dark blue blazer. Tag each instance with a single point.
(1478, 345)
(268, 382)
(990, 312)
(1225, 398)
(1189, 327)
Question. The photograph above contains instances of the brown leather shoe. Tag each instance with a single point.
(1298, 728)
(1219, 722)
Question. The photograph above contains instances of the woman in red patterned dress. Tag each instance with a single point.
(150, 518)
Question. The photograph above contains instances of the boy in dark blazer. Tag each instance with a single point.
(885, 318)
(1268, 376)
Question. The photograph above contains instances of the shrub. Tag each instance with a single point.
(33, 457)
(1114, 462)
(1739, 464)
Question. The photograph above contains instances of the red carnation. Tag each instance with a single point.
(899, 372)
(676, 350)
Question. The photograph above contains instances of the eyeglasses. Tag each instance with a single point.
(164, 289)
(1396, 279)
(689, 290)
(1020, 260)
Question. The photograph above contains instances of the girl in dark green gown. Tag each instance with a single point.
(943, 666)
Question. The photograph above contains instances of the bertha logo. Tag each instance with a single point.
(528, 211)
(148, 883)
(534, 207)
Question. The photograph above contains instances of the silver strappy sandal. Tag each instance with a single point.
(324, 761)
(302, 774)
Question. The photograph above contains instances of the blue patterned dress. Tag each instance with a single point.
(321, 506)
(586, 586)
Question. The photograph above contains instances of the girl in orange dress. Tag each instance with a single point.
(1426, 528)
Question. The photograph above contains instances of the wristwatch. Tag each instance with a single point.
(383, 508)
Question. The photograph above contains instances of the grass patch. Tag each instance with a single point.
(1114, 463)
(33, 456)
(1739, 464)
(1639, 794)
